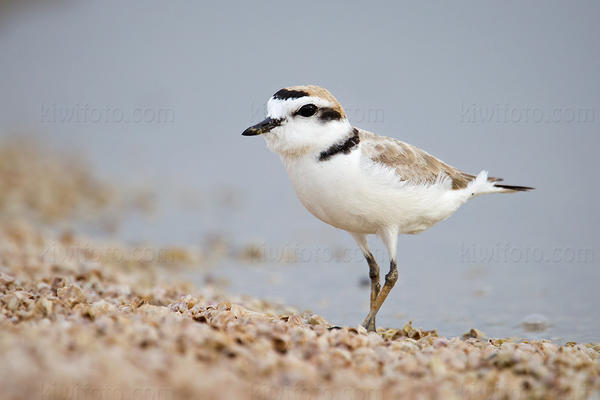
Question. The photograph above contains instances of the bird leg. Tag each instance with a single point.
(390, 279)
(375, 287)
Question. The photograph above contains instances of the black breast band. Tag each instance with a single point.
(344, 147)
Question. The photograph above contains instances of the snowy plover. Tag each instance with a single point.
(361, 182)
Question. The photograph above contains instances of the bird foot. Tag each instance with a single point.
(369, 325)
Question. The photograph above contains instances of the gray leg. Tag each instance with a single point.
(389, 236)
(375, 288)
(361, 240)
(390, 280)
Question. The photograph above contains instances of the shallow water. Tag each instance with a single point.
(446, 283)
(451, 306)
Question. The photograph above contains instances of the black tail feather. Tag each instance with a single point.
(515, 188)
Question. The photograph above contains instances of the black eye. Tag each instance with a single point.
(307, 110)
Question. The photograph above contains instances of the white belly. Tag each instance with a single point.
(363, 198)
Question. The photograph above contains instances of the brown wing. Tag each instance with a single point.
(411, 163)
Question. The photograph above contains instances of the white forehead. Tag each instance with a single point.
(278, 108)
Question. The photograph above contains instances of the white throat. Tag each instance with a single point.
(308, 139)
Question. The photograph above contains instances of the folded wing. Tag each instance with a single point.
(416, 166)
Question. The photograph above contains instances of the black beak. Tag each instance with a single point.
(262, 127)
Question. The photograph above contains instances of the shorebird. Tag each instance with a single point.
(361, 182)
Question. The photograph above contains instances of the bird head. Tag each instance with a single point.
(301, 120)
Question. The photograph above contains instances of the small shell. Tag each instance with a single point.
(72, 294)
(102, 307)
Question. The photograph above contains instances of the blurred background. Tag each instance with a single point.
(155, 95)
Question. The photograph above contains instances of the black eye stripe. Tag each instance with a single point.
(329, 114)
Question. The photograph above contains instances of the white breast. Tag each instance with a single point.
(357, 195)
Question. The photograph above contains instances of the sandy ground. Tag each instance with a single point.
(82, 319)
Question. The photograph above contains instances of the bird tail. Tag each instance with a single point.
(510, 188)
(482, 184)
